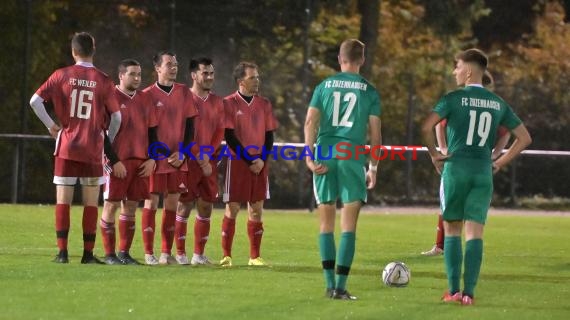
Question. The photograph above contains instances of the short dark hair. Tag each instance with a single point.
(488, 78)
(352, 50)
(83, 44)
(127, 63)
(239, 70)
(157, 59)
(473, 56)
(195, 63)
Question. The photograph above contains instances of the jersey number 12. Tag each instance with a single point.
(81, 104)
(349, 97)
(483, 127)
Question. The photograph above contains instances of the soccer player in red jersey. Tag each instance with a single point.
(175, 112)
(249, 123)
(127, 183)
(83, 101)
(202, 173)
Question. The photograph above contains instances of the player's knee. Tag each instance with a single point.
(232, 209)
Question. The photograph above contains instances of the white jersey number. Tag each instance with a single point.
(349, 97)
(81, 104)
(483, 127)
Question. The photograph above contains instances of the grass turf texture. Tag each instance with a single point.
(525, 273)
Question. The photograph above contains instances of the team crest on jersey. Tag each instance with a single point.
(123, 106)
(239, 113)
(159, 104)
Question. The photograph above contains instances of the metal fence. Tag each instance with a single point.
(29, 168)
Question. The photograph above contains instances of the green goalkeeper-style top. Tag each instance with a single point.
(345, 101)
(473, 116)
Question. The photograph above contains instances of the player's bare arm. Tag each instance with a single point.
(375, 132)
(429, 140)
(311, 124)
(441, 138)
(522, 140)
(500, 145)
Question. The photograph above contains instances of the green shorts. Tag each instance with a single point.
(466, 190)
(345, 179)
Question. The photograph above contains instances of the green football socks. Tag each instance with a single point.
(328, 254)
(472, 262)
(453, 257)
(345, 256)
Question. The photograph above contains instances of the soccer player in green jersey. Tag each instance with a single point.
(343, 109)
(473, 116)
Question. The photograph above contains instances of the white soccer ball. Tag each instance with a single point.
(396, 274)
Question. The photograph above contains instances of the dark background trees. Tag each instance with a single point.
(411, 44)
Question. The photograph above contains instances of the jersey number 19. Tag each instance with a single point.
(483, 127)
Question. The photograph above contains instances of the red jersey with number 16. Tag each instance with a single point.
(82, 98)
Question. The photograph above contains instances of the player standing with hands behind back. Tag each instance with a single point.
(473, 116)
(82, 98)
(344, 108)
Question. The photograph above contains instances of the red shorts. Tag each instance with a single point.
(171, 182)
(242, 185)
(67, 172)
(132, 187)
(200, 186)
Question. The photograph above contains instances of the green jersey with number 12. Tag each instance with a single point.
(345, 101)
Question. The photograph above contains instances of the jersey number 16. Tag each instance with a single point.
(81, 104)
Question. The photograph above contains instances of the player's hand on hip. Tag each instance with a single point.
(53, 131)
(316, 168)
(147, 168)
(176, 159)
(438, 161)
(119, 170)
(496, 166)
(370, 179)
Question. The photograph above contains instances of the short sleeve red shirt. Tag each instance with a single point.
(209, 124)
(82, 97)
(137, 115)
(249, 121)
(172, 109)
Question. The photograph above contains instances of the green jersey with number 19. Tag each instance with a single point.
(473, 116)
(345, 101)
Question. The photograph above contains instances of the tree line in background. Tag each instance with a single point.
(411, 44)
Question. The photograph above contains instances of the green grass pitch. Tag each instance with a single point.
(525, 273)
